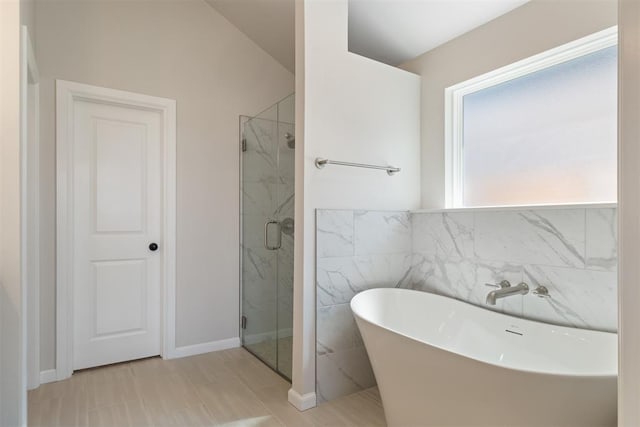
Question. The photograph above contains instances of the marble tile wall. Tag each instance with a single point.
(284, 208)
(259, 265)
(356, 250)
(267, 193)
(571, 251)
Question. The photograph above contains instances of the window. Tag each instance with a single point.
(541, 131)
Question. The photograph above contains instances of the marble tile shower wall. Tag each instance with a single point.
(267, 193)
(356, 250)
(570, 251)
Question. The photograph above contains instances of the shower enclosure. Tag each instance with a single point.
(267, 206)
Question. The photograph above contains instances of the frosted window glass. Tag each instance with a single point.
(547, 137)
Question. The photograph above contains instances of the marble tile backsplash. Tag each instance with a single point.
(571, 251)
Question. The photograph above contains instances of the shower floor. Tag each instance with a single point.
(275, 353)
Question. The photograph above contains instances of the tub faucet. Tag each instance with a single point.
(506, 290)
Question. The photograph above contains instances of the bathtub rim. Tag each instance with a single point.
(476, 359)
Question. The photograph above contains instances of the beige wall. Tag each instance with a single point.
(186, 51)
(10, 296)
(533, 28)
(28, 16)
(629, 214)
(12, 365)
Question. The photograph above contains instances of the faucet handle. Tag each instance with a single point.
(503, 284)
(541, 292)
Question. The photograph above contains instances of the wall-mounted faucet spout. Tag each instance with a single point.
(506, 290)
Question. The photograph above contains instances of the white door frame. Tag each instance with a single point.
(30, 254)
(66, 95)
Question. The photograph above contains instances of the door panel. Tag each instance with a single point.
(117, 214)
(120, 180)
(267, 182)
(259, 264)
(119, 297)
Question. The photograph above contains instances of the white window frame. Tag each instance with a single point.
(454, 167)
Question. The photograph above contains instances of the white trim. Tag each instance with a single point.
(205, 347)
(31, 254)
(302, 402)
(519, 208)
(454, 99)
(66, 93)
(48, 376)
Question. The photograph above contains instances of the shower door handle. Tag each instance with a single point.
(266, 235)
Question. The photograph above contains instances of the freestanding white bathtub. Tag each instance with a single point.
(443, 362)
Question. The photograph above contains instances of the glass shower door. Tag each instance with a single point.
(284, 214)
(267, 236)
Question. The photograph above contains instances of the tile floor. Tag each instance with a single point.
(230, 388)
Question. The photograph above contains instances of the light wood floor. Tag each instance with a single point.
(228, 387)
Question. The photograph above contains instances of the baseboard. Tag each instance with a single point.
(205, 347)
(302, 402)
(51, 375)
(48, 376)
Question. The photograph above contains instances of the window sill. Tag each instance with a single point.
(520, 208)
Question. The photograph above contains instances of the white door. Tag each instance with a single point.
(117, 218)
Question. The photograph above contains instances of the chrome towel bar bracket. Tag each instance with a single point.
(320, 163)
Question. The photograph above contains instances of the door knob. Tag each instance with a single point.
(153, 247)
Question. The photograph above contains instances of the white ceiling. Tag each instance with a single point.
(390, 31)
(395, 31)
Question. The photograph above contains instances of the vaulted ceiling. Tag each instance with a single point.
(390, 31)
(269, 23)
(396, 31)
